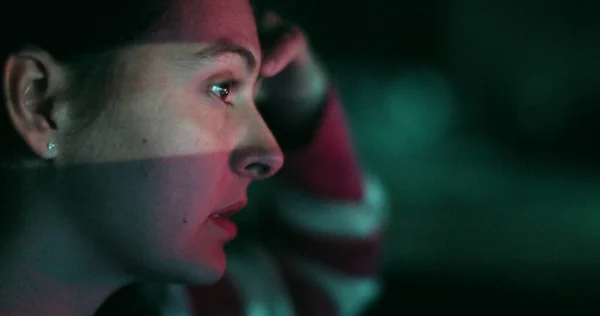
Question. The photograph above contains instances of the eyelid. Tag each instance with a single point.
(222, 75)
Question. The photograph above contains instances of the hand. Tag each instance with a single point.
(294, 87)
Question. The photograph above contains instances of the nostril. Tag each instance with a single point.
(256, 163)
(259, 169)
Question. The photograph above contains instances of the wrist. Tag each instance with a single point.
(295, 128)
(328, 158)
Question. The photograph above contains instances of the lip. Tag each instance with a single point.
(231, 209)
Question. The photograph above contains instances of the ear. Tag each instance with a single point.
(32, 85)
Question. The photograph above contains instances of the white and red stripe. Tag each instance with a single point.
(256, 276)
(323, 217)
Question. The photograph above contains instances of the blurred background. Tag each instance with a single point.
(482, 118)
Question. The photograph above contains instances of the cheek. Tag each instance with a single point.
(159, 175)
(146, 129)
(154, 204)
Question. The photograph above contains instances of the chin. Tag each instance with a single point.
(199, 272)
(189, 274)
(207, 276)
(196, 266)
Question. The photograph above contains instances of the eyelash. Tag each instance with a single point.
(217, 88)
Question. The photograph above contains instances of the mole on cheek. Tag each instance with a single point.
(144, 141)
(185, 220)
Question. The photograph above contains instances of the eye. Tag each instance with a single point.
(224, 91)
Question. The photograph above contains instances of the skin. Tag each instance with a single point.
(129, 197)
(292, 99)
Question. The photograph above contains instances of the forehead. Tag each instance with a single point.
(209, 21)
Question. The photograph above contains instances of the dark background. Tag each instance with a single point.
(482, 119)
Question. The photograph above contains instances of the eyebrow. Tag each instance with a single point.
(224, 47)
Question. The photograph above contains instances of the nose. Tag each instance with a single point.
(258, 155)
(257, 163)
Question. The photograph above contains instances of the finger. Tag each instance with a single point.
(292, 44)
(271, 20)
(259, 91)
(271, 29)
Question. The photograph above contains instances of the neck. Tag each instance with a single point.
(49, 267)
(32, 293)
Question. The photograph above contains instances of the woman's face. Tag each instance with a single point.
(180, 140)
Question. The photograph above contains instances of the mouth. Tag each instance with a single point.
(229, 210)
(221, 220)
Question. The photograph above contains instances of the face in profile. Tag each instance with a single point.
(179, 140)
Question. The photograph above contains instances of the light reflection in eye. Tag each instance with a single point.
(223, 91)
